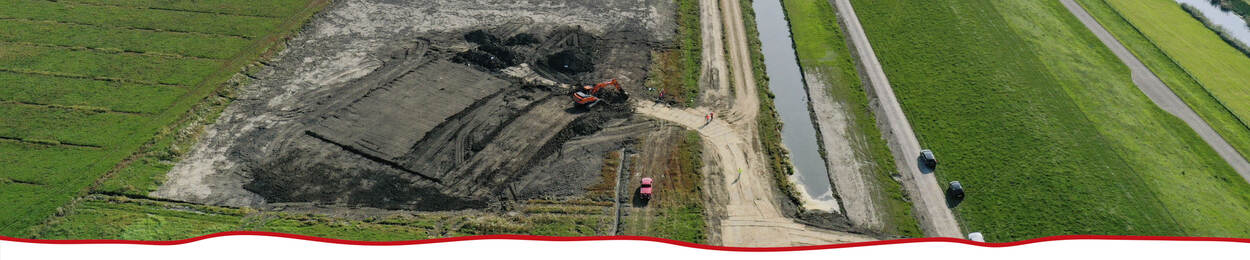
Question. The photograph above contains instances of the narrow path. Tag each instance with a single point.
(926, 195)
(1160, 93)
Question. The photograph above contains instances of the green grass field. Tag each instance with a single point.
(87, 83)
(1043, 126)
(116, 217)
(1202, 69)
(822, 52)
(1181, 82)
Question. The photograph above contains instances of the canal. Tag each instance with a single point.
(798, 133)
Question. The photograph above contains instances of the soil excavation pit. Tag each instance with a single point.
(388, 121)
(456, 108)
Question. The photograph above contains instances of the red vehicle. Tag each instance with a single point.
(645, 190)
(588, 96)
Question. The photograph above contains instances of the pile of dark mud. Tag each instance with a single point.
(441, 126)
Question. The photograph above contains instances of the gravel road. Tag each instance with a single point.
(926, 195)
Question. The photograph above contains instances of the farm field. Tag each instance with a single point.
(822, 52)
(1177, 78)
(1043, 126)
(116, 217)
(1206, 72)
(87, 83)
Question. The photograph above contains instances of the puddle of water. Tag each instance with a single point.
(798, 132)
(1232, 23)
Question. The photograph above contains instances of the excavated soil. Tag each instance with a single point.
(436, 105)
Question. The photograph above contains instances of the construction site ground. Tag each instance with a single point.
(391, 113)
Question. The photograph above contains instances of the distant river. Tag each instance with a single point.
(1227, 19)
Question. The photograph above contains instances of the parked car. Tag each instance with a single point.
(927, 158)
(955, 190)
(645, 189)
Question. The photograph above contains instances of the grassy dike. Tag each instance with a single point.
(823, 52)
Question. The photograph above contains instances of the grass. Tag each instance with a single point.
(822, 52)
(108, 95)
(1043, 126)
(677, 211)
(272, 8)
(1177, 78)
(88, 92)
(153, 19)
(1219, 68)
(120, 39)
(675, 72)
(105, 64)
(117, 217)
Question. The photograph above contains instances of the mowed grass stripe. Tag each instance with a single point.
(71, 126)
(277, 8)
(110, 95)
(1033, 162)
(140, 18)
(43, 164)
(62, 34)
(94, 63)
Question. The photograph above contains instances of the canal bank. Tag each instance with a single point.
(798, 133)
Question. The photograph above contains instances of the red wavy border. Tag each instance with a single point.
(633, 238)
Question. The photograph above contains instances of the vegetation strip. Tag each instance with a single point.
(110, 4)
(107, 50)
(79, 76)
(273, 9)
(139, 18)
(106, 26)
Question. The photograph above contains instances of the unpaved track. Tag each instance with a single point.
(926, 195)
(1158, 92)
(848, 171)
(753, 216)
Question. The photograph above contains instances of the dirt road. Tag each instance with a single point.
(926, 195)
(754, 218)
(848, 170)
(1160, 93)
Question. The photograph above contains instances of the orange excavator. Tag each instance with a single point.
(587, 96)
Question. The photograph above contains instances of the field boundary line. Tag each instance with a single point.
(78, 76)
(129, 27)
(90, 109)
(58, 143)
(72, 2)
(108, 50)
(1172, 60)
